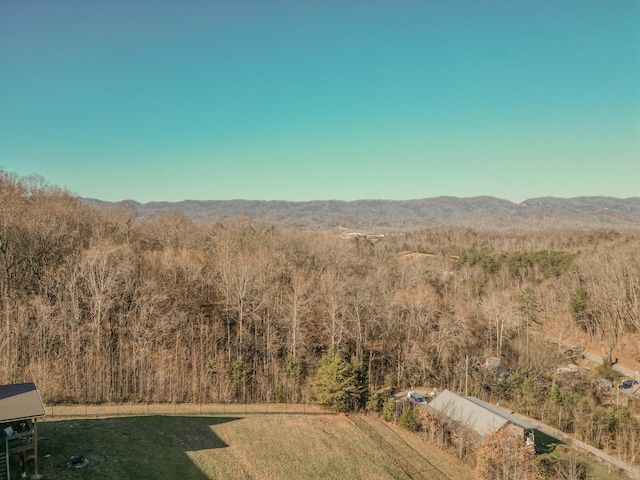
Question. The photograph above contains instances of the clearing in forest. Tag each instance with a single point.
(291, 446)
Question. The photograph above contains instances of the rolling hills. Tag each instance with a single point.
(484, 212)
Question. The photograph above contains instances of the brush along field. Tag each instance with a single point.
(290, 446)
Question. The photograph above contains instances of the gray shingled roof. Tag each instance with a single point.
(460, 411)
(503, 413)
(20, 401)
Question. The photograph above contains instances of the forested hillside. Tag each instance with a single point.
(384, 216)
(99, 306)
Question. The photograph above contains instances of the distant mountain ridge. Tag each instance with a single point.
(484, 212)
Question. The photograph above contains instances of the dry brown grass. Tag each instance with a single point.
(257, 446)
(295, 446)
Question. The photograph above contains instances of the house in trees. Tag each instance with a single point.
(471, 420)
(20, 407)
(499, 371)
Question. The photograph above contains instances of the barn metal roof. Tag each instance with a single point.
(460, 411)
(20, 401)
(503, 413)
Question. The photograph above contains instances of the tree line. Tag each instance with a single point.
(99, 305)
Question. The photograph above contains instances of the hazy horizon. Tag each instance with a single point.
(358, 199)
(160, 101)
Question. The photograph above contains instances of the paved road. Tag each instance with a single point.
(631, 471)
(585, 447)
(618, 368)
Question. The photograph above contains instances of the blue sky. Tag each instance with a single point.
(305, 100)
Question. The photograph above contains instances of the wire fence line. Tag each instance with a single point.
(183, 409)
(411, 462)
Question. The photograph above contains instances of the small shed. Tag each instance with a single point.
(20, 407)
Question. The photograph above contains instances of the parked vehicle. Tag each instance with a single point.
(416, 399)
(628, 384)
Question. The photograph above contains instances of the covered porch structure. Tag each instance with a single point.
(20, 408)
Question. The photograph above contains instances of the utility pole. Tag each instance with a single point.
(466, 377)
(36, 475)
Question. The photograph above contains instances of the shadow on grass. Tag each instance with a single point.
(545, 443)
(152, 447)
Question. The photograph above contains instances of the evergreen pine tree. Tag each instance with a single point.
(338, 385)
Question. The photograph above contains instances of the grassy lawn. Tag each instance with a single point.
(257, 446)
(235, 446)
